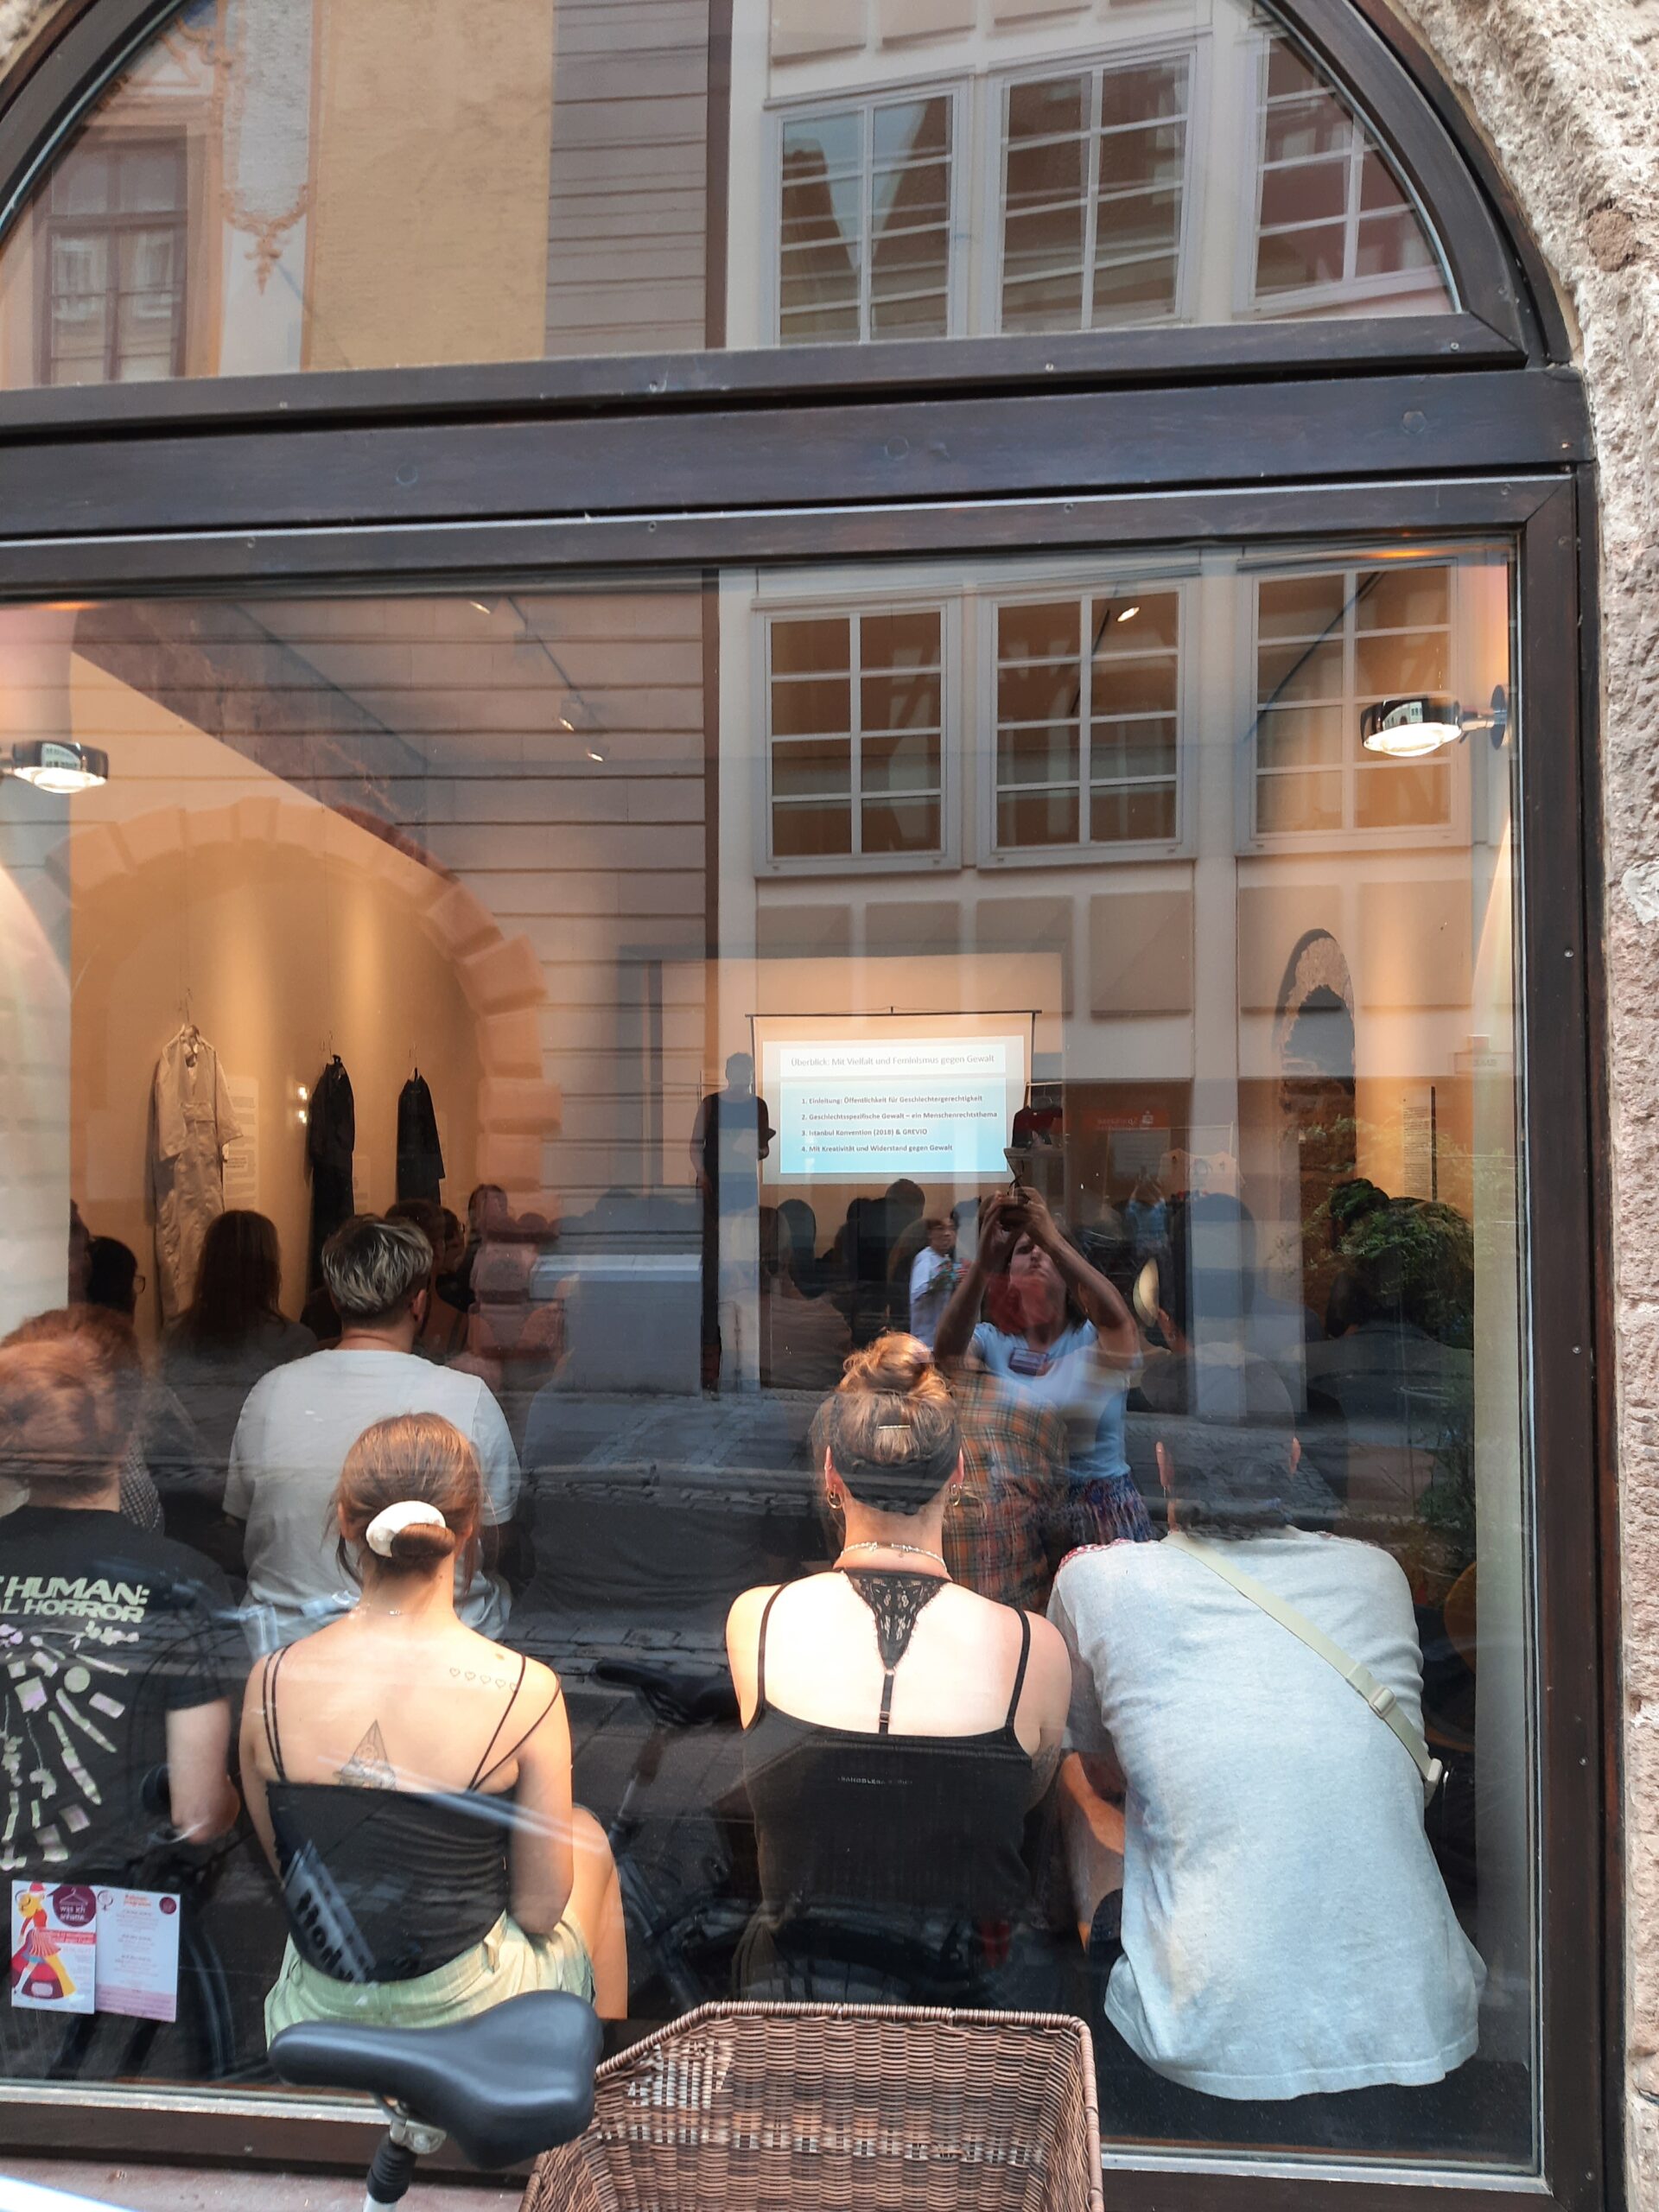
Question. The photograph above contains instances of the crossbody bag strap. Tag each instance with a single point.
(1360, 1679)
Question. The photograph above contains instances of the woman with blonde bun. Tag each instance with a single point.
(897, 1729)
(411, 1780)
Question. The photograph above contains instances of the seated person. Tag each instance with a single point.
(114, 1646)
(1284, 1930)
(233, 1332)
(300, 1419)
(1014, 1516)
(1057, 1334)
(411, 1780)
(898, 1728)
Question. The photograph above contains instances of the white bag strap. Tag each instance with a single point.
(1380, 1698)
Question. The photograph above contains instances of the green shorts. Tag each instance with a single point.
(507, 1963)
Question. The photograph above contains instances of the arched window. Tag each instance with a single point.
(701, 644)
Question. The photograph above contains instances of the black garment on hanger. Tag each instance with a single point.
(420, 1156)
(330, 1139)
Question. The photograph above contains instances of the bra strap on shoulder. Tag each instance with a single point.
(483, 1765)
(273, 1733)
(761, 1656)
(1020, 1672)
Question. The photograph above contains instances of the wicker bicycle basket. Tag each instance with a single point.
(784, 2108)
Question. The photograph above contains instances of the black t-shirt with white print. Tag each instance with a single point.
(104, 1629)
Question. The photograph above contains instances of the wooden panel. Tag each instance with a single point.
(1140, 952)
(1273, 919)
(901, 451)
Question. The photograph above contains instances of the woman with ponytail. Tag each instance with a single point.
(411, 1780)
(897, 1729)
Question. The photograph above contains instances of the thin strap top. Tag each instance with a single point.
(513, 1698)
(897, 1601)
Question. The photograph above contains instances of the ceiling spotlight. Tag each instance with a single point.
(54, 764)
(1410, 729)
(595, 753)
(484, 605)
(1128, 614)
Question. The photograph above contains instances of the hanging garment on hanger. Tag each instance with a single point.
(420, 1156)
(191, 1123)
(330, 1140)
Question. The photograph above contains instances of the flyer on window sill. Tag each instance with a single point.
(77, 1949)
(54, 1949)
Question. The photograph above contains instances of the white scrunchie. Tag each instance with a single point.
(388, 1524)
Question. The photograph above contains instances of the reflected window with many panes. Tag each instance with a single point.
(1094, 182)
(1326, 647)
(865, 222)
(1332, 217)
(854, 726)
(1087, 709)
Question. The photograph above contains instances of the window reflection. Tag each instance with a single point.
(570, 179)
(1000, 1079)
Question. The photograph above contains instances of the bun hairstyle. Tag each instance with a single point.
(60, 1429)
(891, 1427)
(414, 1458)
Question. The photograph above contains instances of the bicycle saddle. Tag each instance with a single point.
(680, 1697)
(507, 2084)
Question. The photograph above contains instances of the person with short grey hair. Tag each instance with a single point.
(300, 1421)
(373, 1268)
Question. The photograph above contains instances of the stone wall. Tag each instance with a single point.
(1567, 93)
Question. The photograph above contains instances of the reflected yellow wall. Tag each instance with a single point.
(194, 871)
(431, 129)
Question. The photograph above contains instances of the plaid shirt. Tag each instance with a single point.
(1019, 1513)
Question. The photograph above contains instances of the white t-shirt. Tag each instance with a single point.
(1284, 1927)
(296, 1427)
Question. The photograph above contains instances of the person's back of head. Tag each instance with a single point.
(410, 1497)
(375, 1269)
(69, 1391)
(239, 1278)
(426, 1215)
(112, 1276)
(891, 1426)
(1227, 1445)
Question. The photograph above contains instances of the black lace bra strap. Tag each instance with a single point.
(896, 1601)
(273, 1733)
(761, 1656)
(1020, 1672)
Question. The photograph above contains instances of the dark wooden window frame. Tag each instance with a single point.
(1541, 511)
(1407, 430)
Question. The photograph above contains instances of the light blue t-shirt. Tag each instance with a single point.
(1285, 1929)
(1088, 1389)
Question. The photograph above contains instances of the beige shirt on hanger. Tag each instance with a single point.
(191, 1123)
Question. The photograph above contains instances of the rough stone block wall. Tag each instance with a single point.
(1566, 95)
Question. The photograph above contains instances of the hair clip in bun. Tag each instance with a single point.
(392, 1520)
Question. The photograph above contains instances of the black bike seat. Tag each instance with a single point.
(507, 2084)
(684, 1695)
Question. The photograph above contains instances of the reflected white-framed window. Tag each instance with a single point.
(1094, 193)
(866, 228)
(1325, 645)
(1082, 695)
(1334, 223)
(856, 705)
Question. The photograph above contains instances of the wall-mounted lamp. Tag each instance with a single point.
(1410, 729)
(52, 765)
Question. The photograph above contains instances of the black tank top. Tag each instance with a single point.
(384, 1885)
(896, 1851)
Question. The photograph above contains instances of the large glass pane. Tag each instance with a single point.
(569, 1020)
(350, 185)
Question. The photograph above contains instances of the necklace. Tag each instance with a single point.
(917, 1551)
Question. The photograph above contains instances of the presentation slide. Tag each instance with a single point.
(866, 1110)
